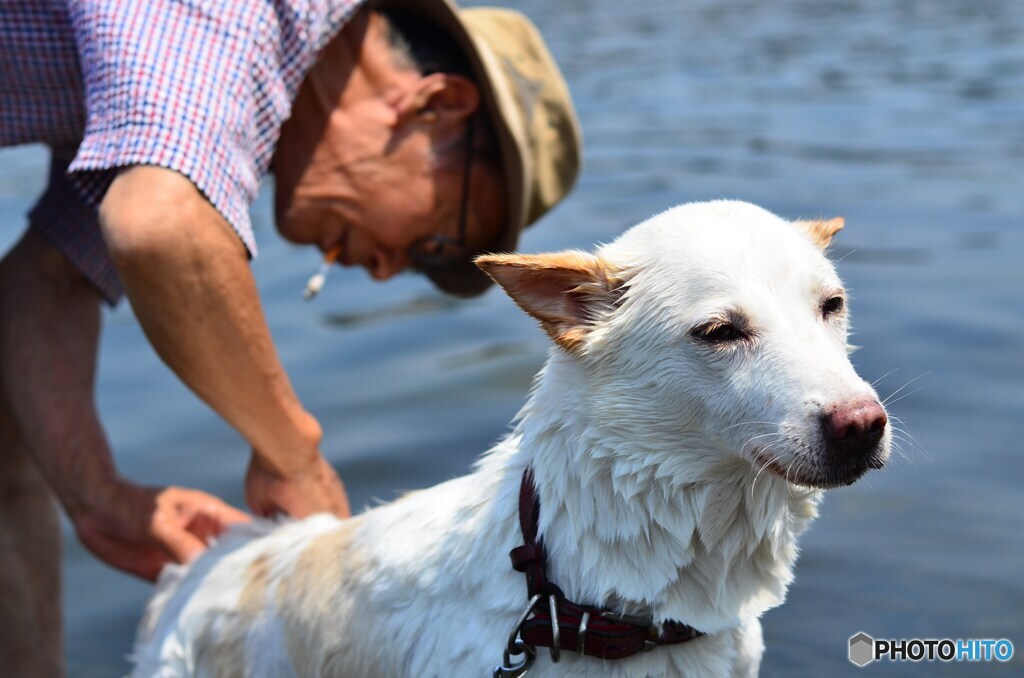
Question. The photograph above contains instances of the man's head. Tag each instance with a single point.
(425, 135)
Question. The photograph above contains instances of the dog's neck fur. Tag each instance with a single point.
(683, 533)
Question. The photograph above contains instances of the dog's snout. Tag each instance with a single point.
(855, 427)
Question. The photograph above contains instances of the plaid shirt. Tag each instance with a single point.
(198, 86)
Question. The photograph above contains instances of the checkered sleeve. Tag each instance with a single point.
(68, 221)
(169, 83)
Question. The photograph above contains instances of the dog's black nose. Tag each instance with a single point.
(855, 428)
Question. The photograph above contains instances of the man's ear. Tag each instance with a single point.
(442, 98)
(565, 291)
(820, 231)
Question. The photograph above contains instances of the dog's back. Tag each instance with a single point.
(373, 595)
(697, 399)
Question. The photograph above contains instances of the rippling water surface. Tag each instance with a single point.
(905, 117)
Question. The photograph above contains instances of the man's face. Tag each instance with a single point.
(373, 187)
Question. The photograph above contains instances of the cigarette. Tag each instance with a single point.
(317, 280)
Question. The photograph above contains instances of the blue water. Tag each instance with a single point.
(905, 117)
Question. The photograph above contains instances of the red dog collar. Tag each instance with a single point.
(563, 624)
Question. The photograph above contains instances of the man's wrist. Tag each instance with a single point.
(291, 451)
(89, 491)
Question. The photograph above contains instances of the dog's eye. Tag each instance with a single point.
(832, 306)
(718, 333)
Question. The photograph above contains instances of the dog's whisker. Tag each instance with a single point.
(763, 435)
(847, 254)
(789, 470)
(772, 458)
(799, 461)
(758, 437)
(749, 423)
(875, 382)
(905, 395)
(901, 454)
(900, 435)
(888, 398)
(914, 443)
(900, 432)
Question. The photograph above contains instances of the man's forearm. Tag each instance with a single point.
(49, 329)
(188, 279)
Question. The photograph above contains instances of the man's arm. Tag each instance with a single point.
(49, 329)
(188, 279)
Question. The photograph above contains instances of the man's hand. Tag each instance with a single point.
(313, 488)
(142, 529)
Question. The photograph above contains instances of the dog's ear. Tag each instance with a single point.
(820, 231)
(565, 291)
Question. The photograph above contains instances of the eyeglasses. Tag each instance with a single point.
(438, 251)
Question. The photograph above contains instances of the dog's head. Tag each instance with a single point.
(714, 325)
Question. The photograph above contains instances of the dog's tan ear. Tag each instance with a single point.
(820, 231)
(563, 290)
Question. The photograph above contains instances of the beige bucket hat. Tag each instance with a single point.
(528, 103)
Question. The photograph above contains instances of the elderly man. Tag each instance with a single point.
(402, 134)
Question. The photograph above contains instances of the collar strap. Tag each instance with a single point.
(561, 623)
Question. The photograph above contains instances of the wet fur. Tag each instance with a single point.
(649, 451)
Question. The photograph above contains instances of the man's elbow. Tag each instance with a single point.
(152, 216)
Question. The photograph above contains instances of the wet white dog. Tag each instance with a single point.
(697, 399)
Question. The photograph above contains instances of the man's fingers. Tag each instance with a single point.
(180, 544)
(262, 509)
(214, 517)
(226, 514)
(197, 508)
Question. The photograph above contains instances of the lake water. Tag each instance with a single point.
(906, 117)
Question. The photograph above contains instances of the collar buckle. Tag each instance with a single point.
(516, 646)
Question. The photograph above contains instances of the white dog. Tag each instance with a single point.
(696, 401)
